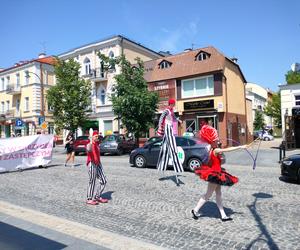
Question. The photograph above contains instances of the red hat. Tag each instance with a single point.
(208, 134)
(95, 132)
(172, 101)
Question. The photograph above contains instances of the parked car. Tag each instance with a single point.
(153, 139)
(80, 144)
(263, 135)
(290, 167)
(117, 144)
(195, 152)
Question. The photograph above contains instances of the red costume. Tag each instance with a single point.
(212, 171)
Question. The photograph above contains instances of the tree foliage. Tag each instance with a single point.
(132, 102)
(273, 109)
(258, 120)
(70, 97)
(292, 77)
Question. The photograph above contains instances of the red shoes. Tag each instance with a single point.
(102, 200)
(92, 202)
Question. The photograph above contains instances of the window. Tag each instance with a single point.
(7, 81)
(2, 107)
(87, 66)
(111, 54)
(164, 64)
(297, 100)
(26, 107)
(197, 87)
(182, 142)
(190, 125)
(2, 84)
(17, 80)
(18, 105)
(102, 97)
(7, 105)
(26, 78)
(202, 56)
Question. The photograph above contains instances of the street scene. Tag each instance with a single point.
(149, 207)
(142, 125)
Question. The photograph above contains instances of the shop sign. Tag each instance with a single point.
(206, 104)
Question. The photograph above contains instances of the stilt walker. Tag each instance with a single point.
(169, 147)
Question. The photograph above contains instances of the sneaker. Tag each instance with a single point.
(195, 215)
(65, 165)
(102, 200)
(92, 202)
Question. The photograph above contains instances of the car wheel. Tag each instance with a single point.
(120, 151)
(140, 161)
(267, 139)
(194, 163)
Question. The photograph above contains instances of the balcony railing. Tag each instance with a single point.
(98, 74)
(13, 89)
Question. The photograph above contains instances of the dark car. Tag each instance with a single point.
(80, 144)
(117, 144)
(290, 167)
(153, 139)
(195, 152)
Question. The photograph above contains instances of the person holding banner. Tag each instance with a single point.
(95, 171)
(213, 173)
(169, 148)
(70, 148)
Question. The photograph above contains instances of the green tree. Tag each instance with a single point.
(292, 77)
(132, 102)
(273, 109)
(70, 97)
(258, 120)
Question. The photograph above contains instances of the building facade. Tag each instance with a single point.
(259, 97)
(23, 104)
(102, 116)
(208, 87)
(290, 114)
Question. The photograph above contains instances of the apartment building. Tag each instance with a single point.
(23, 105)
(208, 86)
(102, 116)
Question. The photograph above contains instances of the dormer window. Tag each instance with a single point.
(164, 64)
(202, 55)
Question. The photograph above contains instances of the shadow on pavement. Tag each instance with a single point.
(211, 210)
(13, 238)
(264, 235)
(31, 168)
(173, 178)
(107, 195)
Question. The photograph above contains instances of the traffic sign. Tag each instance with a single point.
(19, 123)
(41, 120)
(44, 125)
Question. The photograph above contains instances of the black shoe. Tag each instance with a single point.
(226, 219)
(195, 217)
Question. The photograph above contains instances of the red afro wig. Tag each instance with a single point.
(95, 132)
(172, 101)
(208, 133)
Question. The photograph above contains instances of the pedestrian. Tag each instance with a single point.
(213, 173)
(70, 148)
(168, 148)
(95, 171)
(100, 137)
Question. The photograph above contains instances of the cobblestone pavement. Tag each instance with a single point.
(148, 206)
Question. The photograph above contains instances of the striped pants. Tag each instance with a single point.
(95, 172)
(169, 149)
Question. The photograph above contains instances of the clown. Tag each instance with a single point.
(213, 173)
(169, 148)
(95, 170)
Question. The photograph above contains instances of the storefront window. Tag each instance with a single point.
(190, 125)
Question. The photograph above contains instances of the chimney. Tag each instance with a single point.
(234, 59)
(42, 55)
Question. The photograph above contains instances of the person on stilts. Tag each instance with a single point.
(169, 147)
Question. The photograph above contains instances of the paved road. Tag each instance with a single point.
(148, 207)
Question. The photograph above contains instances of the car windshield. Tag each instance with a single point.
(82, 138)
(109, 138)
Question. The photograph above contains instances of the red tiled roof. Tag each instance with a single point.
(47, 60)
(184, 65)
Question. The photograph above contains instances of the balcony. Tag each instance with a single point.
(13, 89)
(98, 74)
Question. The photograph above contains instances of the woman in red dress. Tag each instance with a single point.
(213, 173)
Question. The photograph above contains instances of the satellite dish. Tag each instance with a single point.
(295, 67)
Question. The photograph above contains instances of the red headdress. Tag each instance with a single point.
(208, 134)
(95, 132)
(172, 101)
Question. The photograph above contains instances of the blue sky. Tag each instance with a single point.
(263, 35)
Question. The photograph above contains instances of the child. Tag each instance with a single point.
(95, 172)
(213, 173)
